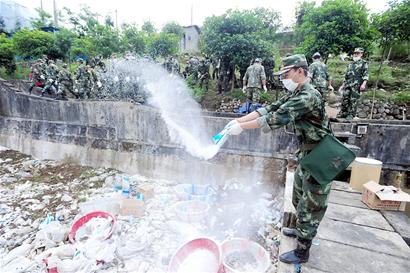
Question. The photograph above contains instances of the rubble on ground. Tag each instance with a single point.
(41, 199)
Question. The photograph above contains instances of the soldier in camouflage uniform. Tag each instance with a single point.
(193, 69)
(253, 82)
(319, 76)
(51, 76)
(269, 65)
(304, 108)
(203, 72)
(65, 83)
(37, 77)
(84, 81)
(356, 77)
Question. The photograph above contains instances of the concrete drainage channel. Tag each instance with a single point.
(69, 218)
(244, 197)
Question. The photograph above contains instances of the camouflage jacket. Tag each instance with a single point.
(304, 108)
(254, 75)
(203, 70)
(64, 77)
(318, 74)
(36, 70)
(82, 74)
(356, 73)
(52, 71)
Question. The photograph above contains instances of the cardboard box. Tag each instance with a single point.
(129, 206)
(146, 190)
(381, 197)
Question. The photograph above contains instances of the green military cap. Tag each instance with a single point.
(358, 49)
(297, 60)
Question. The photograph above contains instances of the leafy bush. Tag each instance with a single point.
(401, 97)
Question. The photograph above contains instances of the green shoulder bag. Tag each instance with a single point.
(328, 159)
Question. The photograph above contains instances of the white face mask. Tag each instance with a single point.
(356, 58)
(290, 84)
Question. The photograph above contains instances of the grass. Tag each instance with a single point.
(401, 97)
(22, 72)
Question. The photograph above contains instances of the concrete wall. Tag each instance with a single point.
(130, 138)
(190, 41)
(135, 139)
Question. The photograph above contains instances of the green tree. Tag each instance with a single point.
(392, 26)
(237, 37)
(133, 39)
(83, 46)
(7, 54)
(63, 40)
(173, 28)
(148, 27)
(334, 27)
(162, 45)
(109, 21)
(302, 10)
(32, 43)
(44, 20)
(270, 21)
(106, 39)
(83, 22)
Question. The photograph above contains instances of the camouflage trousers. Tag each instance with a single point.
(253, 94)
(204, 82)
(310, 200)
(64, 89)
(350, 99)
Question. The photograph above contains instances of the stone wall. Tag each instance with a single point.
(384, 110)
(381, 110)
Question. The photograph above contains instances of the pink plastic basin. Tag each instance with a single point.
(193, 247)
(80, 222)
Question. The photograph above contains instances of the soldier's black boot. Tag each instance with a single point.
(298, 255)
(290, 232)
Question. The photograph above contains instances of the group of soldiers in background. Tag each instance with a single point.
(56, 79)
(356, 76)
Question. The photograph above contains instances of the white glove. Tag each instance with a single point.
(235, 130)
(42, 77)
(99, 84)
(244, 89)
(230, 124)
(265, 88)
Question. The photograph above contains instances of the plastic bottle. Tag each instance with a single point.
(139, 196)
(125, 186)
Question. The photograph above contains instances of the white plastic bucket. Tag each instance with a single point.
(363, 171)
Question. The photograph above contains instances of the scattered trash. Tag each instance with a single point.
(37, 213)
(192, 211)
